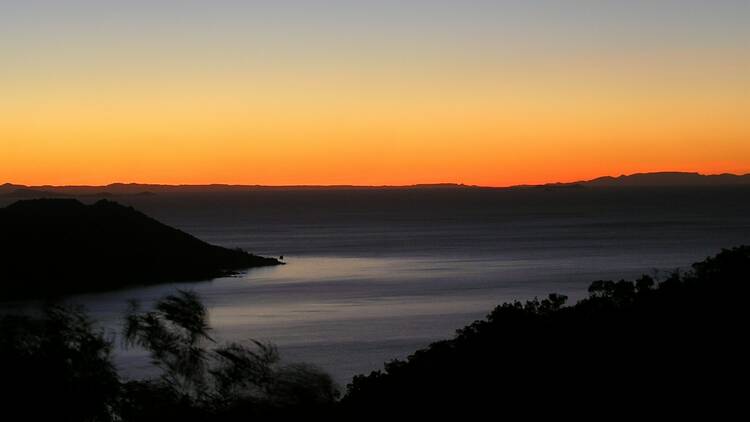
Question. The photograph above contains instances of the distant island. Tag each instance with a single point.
(668, 178)
(62, 192)
(655, 179)
(53, 247)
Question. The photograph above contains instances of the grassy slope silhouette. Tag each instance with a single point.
(58, 246)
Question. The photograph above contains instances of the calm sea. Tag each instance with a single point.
(373, 275)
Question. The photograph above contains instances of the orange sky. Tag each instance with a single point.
(202, 104)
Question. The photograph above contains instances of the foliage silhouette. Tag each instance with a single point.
(57, 246)
(224, 381)
(173, 333)
(56, 364)
(627, 347)
(638, 348)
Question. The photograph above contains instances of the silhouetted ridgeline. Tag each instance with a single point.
(58, 246)
(670, 179)
(678, 345)
(655, 179)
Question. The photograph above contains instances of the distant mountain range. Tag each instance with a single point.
(671, 179)
(658, 179)
(51, 247)
(663, 179)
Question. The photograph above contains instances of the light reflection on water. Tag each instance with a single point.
(349, 315)
(374, 275)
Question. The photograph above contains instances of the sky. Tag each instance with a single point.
(379, 92)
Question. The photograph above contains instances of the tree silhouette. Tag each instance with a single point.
(630, 347)
(627, 347)
(56, 364)
(223, 379)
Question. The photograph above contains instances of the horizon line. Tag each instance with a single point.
(344, 185)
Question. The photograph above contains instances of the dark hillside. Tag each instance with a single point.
(58, 246)
(628, 347)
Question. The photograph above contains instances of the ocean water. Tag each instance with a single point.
(374, 275)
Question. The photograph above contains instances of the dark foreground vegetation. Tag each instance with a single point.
(56, 366)
(58, 246)
(675, 345)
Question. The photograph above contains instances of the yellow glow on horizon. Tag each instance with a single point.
(374, 121)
